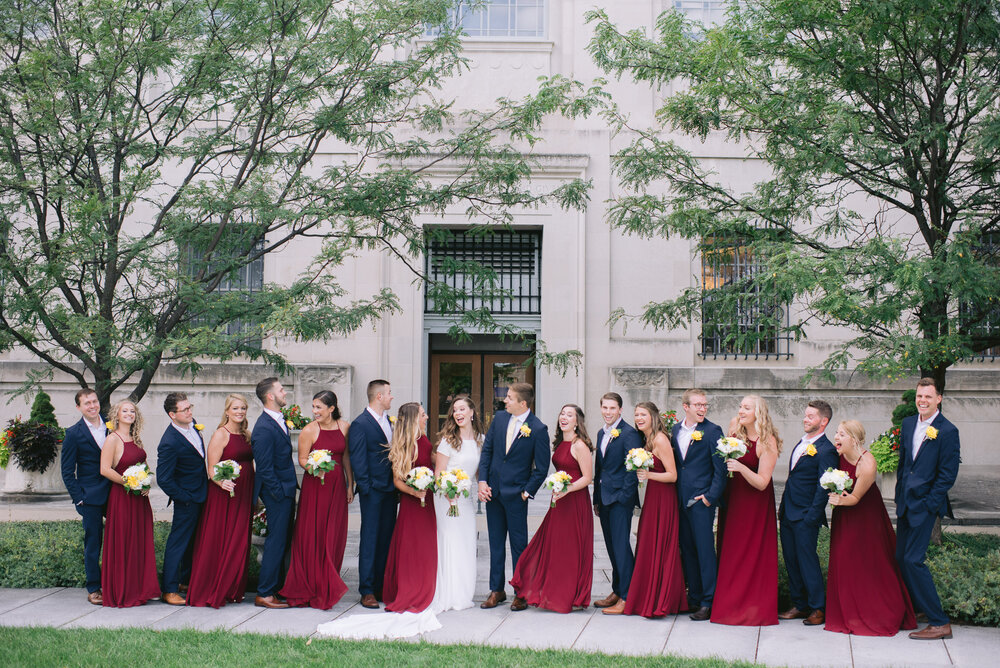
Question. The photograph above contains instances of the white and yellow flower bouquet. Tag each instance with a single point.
(451, 484)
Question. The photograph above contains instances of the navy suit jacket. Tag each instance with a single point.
(701, 472)
(180, 468)
(369, 454)
(922, 485)
(81, 466)
(524, 468)
(613, 483)
(803, 498)
(272, 458)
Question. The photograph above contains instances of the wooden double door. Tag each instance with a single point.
(483, 376)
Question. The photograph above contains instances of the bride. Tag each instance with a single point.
(461, 438)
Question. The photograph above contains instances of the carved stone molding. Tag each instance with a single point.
(640, 377)
(324, 375)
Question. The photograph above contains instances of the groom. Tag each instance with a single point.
(513, 464)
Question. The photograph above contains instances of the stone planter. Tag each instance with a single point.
(887, 484)
(28, 486)
(258, 542)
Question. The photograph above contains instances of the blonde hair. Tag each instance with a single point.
(403, 446)
(856, 431)
(136, 427)
(762, 422)
(244, 426)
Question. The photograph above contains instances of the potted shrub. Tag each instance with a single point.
(32, 446)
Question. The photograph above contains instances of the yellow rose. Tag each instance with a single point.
(615, 433)
(109, 425)
(810, 449)
(696, 436)
(199, 426)
(291, 425)
(931, 433)
(525, 430)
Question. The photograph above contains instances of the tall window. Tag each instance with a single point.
(984, 323)
(500, 18)
(241, 282)
(706, 12)
(500, 271)
(737, 318)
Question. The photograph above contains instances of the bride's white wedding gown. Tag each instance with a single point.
(456, 566)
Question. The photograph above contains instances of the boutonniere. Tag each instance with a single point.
(931, 433)
(392, 419)
(525, 430)
(615, 433)
(810, 449)
(290, 424)
(110, 425)
(199, 426)
(695, 435)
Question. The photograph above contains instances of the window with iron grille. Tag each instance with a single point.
(737, 318)
(706, 12)
(246, 280)
(500, 271)
(523, 19)
(984, 323)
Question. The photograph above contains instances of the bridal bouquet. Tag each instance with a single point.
(318, 463)
(137, 478)
(558, 482)
(730, 447)
(836, 481)
(421, 478)
(452, 483)
(227, 469)
(638, 459)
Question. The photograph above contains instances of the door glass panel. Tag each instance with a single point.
(505, 374)
(456, 378)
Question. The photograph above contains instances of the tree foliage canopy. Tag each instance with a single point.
(152, 152)
(878, 127)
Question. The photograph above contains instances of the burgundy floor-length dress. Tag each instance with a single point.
(411, 568)
(128, 569)
(556, 569)
(657, 587)
(320, 532)
(222, 548)
(865, 593)
(746, 593)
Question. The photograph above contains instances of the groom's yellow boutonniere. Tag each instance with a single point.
(525, 430)
(810, 449)
(695, 435)
(109, 425)
(392, 419)
(291, 425)
(931, 433)
(199, 426)
(615, 433)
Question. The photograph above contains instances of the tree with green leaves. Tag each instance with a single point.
(42, 410)
(877, 130)
(152, 154)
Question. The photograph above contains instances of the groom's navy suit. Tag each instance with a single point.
(181, 474)
(922, 486)
(81, 473)
(377, 497)
(275, 484)
(508, 473)
(616, 496)
(802, 511)
(700, 472)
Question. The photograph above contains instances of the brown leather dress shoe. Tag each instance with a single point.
(95, 597)
(269, 602)
(793, 613)
(815, 618)
(173, 598)
(608, 601)
(702, 614)
(518, 604)
(616, 609)
(369, 601)
(493, 600)
(182, 588)
(933, 633)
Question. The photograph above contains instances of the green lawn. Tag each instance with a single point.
(141, 647)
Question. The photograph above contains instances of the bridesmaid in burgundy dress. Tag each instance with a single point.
(321, 525)
(128, 569)
(657, 587)
(865, 593)
(411, 568)
(222, 548)
(747, 589)
(556, 569)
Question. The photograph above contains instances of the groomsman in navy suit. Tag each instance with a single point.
(615, 497)
(275, 484)
(802, 511)
(368, 440)
(928, 465)
(513, 465)
(81, 473)
(701, 479)
(181, 474)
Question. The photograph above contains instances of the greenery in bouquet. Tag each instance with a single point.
(294, 417)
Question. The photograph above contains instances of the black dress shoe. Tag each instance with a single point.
(702, 614)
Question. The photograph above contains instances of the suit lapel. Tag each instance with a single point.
(936, 424)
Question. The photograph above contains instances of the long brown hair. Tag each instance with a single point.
(403, 446)
(244, 426)
(451, 434)
(655, 423)
(762, 421)
(581, 428)
(136, 429)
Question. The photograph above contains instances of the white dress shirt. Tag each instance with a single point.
(99, 431)
(277, 417)
(383, 421)
(191, 434)
(800, 448)
(607, 435)
(684, 437)
(920, 431)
